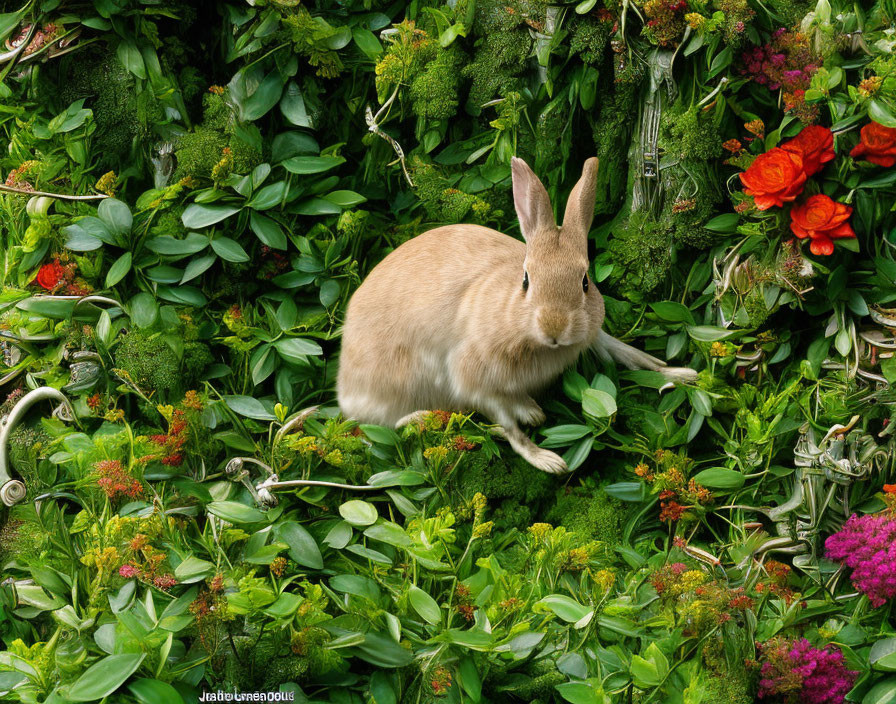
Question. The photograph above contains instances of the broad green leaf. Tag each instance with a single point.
(303, 548)
(565, 607)
(199, 215)
(131, 58)
(147, 691)
(118, 270)
(104, 677)
(359, 513)
(249, 406)
(229, 250)
(235, 512)
(720, 478)
(425, 606)
(598, 403)
(312, 164)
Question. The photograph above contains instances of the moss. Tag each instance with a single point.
(688, 133)
(591, 513)
(500, 58)
(513, 488)
(442, 201)
(434, 92)
(151, 363)
(612, 135)
(28, 445)
(199, 151)
(640, 250)
(588, 37)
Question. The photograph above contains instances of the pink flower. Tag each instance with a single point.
(128, 571)
(798, 671)
(164, 581)
(867, 544)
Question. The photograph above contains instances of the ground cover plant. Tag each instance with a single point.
(191, 191)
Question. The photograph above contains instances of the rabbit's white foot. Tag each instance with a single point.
(679, 375)
(528, 412)
(415, 417)
(545, 460)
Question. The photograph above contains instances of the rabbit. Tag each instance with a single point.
(465, 318)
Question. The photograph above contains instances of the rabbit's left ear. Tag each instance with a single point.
(580, 206)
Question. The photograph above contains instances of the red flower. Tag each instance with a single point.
(50, 275)
(822, 220)
(878, 144)
(774, 178)
(815, 144)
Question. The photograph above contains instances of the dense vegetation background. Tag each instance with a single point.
(193, 191)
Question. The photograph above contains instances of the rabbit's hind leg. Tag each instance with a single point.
(501, 411)
(415, 417)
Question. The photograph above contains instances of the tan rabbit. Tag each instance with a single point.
(465, 318)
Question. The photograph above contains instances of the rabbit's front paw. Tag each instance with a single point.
(528, 412)
(547, 461)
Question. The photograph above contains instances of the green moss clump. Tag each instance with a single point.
(443, 202)
(612, 135)
(588, 37)
(591, 513)
(434, 92)
(501, 55)
(199, 151)
(687, 133)
(641, 251)
(150, 363)
(513, 488)
(28, 445)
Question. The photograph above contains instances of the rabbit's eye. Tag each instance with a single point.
(585, 283)
(525, 281)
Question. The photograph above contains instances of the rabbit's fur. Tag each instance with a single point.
(446, 322)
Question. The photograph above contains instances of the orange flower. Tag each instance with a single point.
(890, 488)
(815, 144)
(878, 144)
(774, 178)
(822, 220)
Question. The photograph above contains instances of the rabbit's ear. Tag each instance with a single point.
(580, 206)
(533, 207)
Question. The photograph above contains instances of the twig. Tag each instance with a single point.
(60, 196)
(373, 125)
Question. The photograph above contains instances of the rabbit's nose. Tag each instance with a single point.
(552, 324)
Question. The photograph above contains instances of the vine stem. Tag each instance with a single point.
(60, 196)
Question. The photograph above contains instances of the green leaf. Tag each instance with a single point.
(367, 42)
(720, 478)
(193, 570)
(359, 513)
(582, 693)
(303, 548)
(389, 533)
(598, 403)
(229, 250)
(269, 196)
(143, 309)
(147, 691)
(565, 607)
(644, 673)
(197, 266)
(880, 113)
(380, 434)
(425, 605)
(235, 512)
(701, 401)
(297, 349)
(883, 655)
(312, 164)
(292, 106)
(249, 406)
(116, 215)
(199, 215)
(882, 693)
(118, 270)
(673, 312)
(104, 677)
(267, 230)
(709, 333)
(131, 58)
(265, 96)
(345, 199)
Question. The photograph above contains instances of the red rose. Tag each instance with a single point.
(823, 221)
(815, 144)
(50, 275)
(774, 178)
(878, 144)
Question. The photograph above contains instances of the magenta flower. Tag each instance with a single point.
(867, 545)
(801, 672)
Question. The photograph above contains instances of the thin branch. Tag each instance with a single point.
(60, 196)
